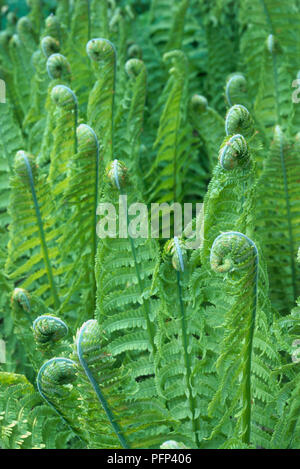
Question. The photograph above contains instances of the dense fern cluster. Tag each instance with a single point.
(142, 342)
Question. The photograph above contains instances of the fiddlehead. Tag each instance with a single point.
(203, 117)
(238, 121)
(231, 191)
(176, 249)
(25, 167)
(134, 51)
(232, 251)
(58, 67)
(272, 44)
(116, 173)
(49, 46)
(199, 103)
(134, 67)
(89, 351)
(20, 302)
(100, 110)
(87, 139)
(63, 96)
(49, 329)
(53, 375)
(26, 34)
(236, 255)
(51, 380)
(235, 86)
(234, 153)
(88, 145)
(136, 70)
(23, 309)
(178, 59)
(65, 133)
(25, 304)
(101, 49)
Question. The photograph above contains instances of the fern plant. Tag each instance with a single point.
(118, 335)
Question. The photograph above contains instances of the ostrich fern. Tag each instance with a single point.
(132, 341)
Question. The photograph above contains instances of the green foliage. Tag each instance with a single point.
(132, 340)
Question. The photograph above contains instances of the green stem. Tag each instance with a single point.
(289, 220)
(141, 286)
(75, 125)
(247, 393)
(247, 370)
(111, 417)
(145, 303)
(50, 403)
(42, 237)
(95, 237)
(186, 358)
(113, 100)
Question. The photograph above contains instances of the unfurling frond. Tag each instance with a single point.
(54, 374)
(58, 67)
(49, 46)
(116, 174)
(100, 111)
(88, 345)
(235, 85)
(49, 329)
(238, 120)
(236, 256)
(234, 152)
(177, 250)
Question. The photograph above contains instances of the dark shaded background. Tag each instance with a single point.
(21, 9)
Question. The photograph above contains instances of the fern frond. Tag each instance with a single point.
(30, 209)
(241, 382)
(171, 139)
(100, 112)
(277, 219)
